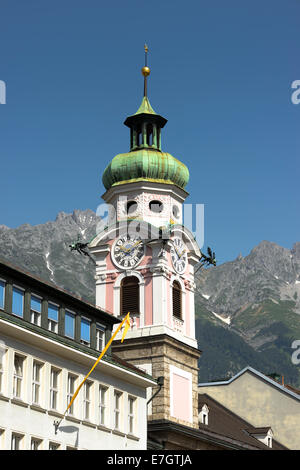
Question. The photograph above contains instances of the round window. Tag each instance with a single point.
(156, 206)
(131, 207)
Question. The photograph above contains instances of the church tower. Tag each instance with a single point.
(145, 261)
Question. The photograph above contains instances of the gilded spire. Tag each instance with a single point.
(145, 70)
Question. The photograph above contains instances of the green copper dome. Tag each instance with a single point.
(145, 164)
(145, 161)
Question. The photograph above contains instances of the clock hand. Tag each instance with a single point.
(135, 245)
(177, 252)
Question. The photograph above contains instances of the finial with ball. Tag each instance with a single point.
(145, 70)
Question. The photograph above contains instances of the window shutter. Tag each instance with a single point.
(177, 300)
(130, 299)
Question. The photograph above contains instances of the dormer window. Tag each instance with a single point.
(264, 435)
(269, 438)
(203, 415)
(269, 441)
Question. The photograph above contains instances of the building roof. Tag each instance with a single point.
(31, 278)
(291, 391)
(223, 422)
(145, 165)
(145, 107)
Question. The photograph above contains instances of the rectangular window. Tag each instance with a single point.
(18, 376)
(35, 310)
(102, 405)
(1, 439)
(87, 400)
(18, 301)
(16, 441)
(69, 324)
(117, 409)
(54, 388)
(2, 293)
(100, 337)
(2, 356)
(52, 317)
(131, 405)
(71, 390)
(85, 331)
(35, 444)
(53, 446)
(36, 382)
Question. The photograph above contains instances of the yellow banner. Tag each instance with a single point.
(126, 320)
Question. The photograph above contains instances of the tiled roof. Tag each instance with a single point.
(222, 421)
(288, 389)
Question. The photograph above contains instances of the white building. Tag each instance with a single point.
(49, 341)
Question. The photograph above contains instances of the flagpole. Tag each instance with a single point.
(127, 325)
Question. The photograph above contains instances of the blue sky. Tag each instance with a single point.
(221, 73)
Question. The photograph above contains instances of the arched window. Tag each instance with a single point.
(130, 298)
(177, 300)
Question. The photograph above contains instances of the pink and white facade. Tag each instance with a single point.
(145, 261)
(156, 275)
(155, 272)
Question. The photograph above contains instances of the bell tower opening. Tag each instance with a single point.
(177, 300)
(130, 296)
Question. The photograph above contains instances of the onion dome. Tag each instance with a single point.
(145, 161)
(145, 164)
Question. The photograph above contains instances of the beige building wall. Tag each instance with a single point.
(262, 404)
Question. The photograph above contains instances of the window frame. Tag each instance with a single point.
(16, 437)
(54, 391)
(70, 393)
(177, 288)
(87, 401)
(103, 405)
(2, 431)
(35, 440)
(4, 282)
(117, 411)
(33, 312)
(50, 320)
(18, 379)
(70, 313)
(36, 382)
(84, 341)
(124, 308)
(102, 329)
(21, 289)
(131, 414)
(2, 359)
(56, 445)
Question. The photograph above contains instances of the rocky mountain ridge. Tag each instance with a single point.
(250, 305)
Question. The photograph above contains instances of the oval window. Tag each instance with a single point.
(175, 211)
(131, 207)
(156, 206)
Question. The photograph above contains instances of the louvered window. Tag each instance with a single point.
(177, 300)
(130, 299)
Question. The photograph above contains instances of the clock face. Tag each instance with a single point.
(179, 255)
(128, 252)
